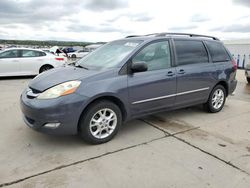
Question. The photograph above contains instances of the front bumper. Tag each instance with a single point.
(65, 110)
(247, 73)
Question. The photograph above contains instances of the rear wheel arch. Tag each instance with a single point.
(45, 65)
(224, 84)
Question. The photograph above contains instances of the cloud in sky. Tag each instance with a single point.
(235, 28)
(104, 20)
(242, 2)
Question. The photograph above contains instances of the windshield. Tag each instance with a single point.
(109, 55)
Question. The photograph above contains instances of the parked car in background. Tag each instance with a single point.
(57, 51)
(24, 61)
(68, 50)
(127, 79)
(79, 53)
(247, 72)
(92, 47)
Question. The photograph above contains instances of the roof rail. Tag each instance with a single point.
(186, 34)
(130, 36)
(169, 34)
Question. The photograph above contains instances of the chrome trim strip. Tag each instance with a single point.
(192, 91)
(152, 99)
(168, 96)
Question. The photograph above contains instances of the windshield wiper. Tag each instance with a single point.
(81, 66)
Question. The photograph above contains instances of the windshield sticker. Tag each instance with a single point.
(131, 44)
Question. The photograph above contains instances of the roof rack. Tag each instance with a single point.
(130, 36)
(169, 34)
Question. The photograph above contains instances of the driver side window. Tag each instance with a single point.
(9, 54)
(155, 55)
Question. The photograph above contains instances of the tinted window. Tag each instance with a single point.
(32, 53)
(9, 54)
(217, 51)
(42, 54)
(189, 52)
(156, 55)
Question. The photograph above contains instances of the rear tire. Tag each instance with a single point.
(216, 99)
(100, 122)
(73, 56)
(248, 80)
(45, 68)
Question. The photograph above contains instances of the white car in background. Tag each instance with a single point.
(78, 53)
(24, 61)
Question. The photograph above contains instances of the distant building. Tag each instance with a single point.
(240, 49)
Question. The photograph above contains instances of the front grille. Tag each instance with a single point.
(32, 93)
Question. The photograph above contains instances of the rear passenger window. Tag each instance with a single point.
(217, 52)
(29, 53)
(190, 52)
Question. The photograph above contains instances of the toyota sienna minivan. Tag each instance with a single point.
(129, 78)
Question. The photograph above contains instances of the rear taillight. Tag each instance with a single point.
(234, 64)
(59, 58)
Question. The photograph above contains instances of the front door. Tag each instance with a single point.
(155, 88)
(9, 63)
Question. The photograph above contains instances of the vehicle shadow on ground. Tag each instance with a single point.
(129, 130)
(16, 77)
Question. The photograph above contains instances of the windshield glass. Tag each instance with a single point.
(109, 55)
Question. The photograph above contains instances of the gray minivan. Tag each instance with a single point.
(129, 78)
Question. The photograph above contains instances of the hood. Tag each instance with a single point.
(56, 76)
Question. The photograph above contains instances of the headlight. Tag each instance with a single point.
(65, 88)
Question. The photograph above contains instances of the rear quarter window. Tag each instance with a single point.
(42, 54)
(190, 52)
(217, 51)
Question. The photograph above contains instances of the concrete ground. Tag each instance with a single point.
(183, 148)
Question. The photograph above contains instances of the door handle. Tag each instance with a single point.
(181, 71)
(170, 73)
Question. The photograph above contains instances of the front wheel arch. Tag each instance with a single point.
(84, 129)
(113, 99)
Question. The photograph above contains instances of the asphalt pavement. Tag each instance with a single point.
(182, 148)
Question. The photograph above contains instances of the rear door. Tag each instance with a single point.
(31, 61)
(10, 63)
(155, 88)
(195, 73)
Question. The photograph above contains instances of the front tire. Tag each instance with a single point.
(100, 122)
(248, 80)
(216, 99)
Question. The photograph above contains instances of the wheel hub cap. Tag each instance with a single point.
(103, 123)
(218, 99)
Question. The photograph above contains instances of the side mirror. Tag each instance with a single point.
(139, 66)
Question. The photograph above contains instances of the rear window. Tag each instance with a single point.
(190, 52)
(32, 53)
(217, 51)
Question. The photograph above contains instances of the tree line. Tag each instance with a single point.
(44, 43)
